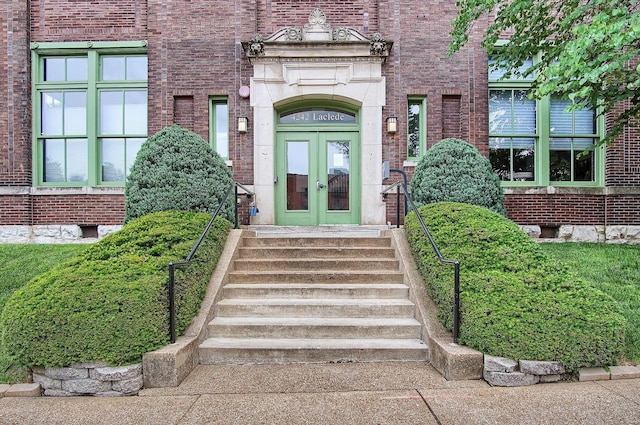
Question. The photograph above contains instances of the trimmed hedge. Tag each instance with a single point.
(110, 302)
(515, 301)
(176, 169)
(453, 170)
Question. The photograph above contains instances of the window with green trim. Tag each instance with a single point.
(90, 111)
(219, 126)
(540, 142)
(416, 126)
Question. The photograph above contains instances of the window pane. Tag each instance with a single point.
(53, 156)
(561, 121)
(496, 74)
(222, 129)
(560, 160)
(51, 113)
(524, 113)
(113, 68)
(77, 160)
(136, 68)
(585, 121)
(500, 157)
(413, 130)
(54, 69)
(77, 69)
(112, 152)
(111, 112)
(133, 147)
(583, 166)
(523, 160)
(135, 112)
(500, 112)
(75, 113)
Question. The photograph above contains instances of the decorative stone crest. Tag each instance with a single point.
(255, 47)
(316, 30)
(378, 45)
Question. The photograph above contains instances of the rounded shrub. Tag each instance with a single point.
(455, 171)
(110, 302)
(515, 301)
(176, 169)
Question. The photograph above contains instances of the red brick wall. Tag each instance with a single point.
(195, 53)
(78, 209)
(15, 210)
(556, 210)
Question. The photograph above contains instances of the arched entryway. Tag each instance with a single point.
(317, 173)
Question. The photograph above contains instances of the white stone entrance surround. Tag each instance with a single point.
(316, 63)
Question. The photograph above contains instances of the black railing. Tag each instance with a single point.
(408, 203)
(173, 265)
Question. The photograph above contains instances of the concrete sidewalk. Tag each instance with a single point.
(355, 393)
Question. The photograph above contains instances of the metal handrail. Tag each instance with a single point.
(456, 264)
(174, 264)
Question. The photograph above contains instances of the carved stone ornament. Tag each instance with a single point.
(293, 34)
(341, 34)
(317, 29)
(378, 45)
(255, 46)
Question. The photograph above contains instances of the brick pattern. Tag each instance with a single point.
(195, 53)
(78, 209)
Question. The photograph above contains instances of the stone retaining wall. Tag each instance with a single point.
(502, 372)
(97, 379)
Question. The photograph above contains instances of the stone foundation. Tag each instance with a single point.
(95, 379)
(618, 234)
(52, 234)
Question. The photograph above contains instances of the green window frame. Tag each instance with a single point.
(219, 125)
(538, 142)
(89, 111)
(416, 127)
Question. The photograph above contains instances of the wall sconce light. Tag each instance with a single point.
(392, 124)
(243, 124)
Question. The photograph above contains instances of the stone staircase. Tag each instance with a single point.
(321, 297)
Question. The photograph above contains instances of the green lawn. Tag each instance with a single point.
(614, 269)
(18, 264)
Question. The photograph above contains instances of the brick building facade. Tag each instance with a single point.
(59, 54)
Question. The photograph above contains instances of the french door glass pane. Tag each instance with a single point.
(298, 176)
(338, 176)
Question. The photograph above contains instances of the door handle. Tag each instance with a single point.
(319, 185)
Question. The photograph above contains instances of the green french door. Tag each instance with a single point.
(317, 178)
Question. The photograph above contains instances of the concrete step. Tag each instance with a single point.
(283, 307)
(315, 290)
(342, 230)
(302, 263)
(316, 252)
(309, 350)
(307, 242)
(301, 327)
(310, 276)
